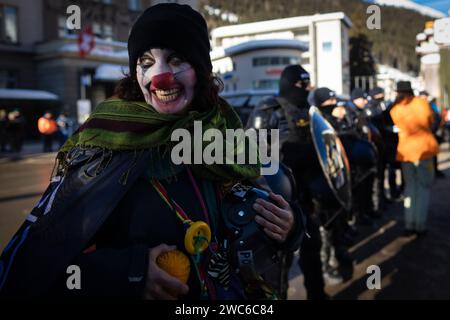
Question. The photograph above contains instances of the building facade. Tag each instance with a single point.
(324, 36)
(39, 52)
(433, 48)
(256, 64)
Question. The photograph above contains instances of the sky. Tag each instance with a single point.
(441, 5)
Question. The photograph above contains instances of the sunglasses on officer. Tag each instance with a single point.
(304, 84)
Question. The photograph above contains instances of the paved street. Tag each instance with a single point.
(22, 181)
(411, 267)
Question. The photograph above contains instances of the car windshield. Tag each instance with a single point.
(254, 100)
(237, 101)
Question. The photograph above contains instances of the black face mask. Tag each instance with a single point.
(327, 110)
(297, 96)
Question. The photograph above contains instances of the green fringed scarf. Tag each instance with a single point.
(120, 125)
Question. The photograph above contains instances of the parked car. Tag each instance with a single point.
(245, 100)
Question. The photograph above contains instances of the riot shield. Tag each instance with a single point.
(332, 157)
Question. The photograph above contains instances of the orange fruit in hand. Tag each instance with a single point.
(175, 263)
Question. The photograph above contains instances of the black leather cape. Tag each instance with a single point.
(75, 205)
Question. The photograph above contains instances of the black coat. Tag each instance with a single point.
(93, 204)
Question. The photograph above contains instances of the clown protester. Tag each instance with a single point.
(134, 224)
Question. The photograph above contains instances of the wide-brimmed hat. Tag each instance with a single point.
(404, 86)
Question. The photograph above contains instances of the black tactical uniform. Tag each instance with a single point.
(355, 132)
(379, 113)
(289, 113)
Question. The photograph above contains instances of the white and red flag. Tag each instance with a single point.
(86, 41)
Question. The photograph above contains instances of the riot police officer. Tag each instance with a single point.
(378, 112)
(352, 128)
(376, 105)
(288, 112)
(367, 114)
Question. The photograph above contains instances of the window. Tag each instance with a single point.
(327, 46)
(134, 5)
(305, 61)
(266, 84)
(294, 60)
(8, 24)
(62, 27)
(97, 29)
(261, 61)
(107, 32)
(8, 79)
(275, 61)
(103, 31)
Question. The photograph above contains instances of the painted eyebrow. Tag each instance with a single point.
(147, 55)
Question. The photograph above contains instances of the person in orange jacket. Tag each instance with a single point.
(436, 127)
(416, 148)
(47, 127)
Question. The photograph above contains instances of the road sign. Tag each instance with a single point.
(83, 110)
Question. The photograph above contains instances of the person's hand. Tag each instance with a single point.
(159, 284)
(277, 220)
(339, 112)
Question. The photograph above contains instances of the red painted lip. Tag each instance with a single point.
(167, 103)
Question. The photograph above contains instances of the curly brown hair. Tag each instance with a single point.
(206, 90)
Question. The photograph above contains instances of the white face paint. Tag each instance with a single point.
(166, 80)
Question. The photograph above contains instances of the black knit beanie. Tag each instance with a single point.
(171, 26)
(375, 91)
(323, 94)
(358, 93)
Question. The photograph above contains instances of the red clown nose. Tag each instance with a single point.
(163, 81)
